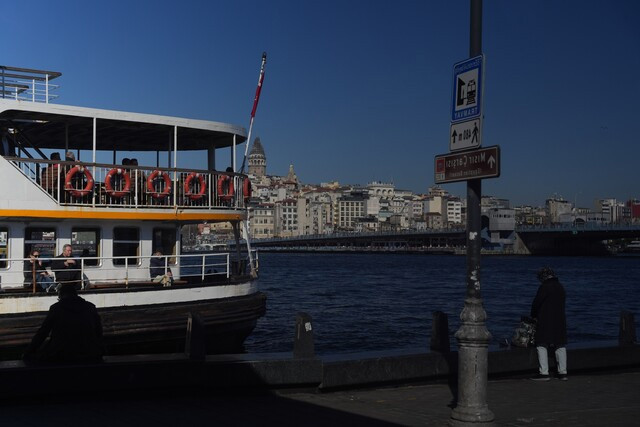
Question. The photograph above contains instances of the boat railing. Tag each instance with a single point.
(110, 272)
(25, 84)
(104, 185)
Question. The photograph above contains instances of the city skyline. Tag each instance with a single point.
(361, 91)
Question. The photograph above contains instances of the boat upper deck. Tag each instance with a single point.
(34, 179)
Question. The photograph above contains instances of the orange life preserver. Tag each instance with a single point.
(167, 184)
(246, 189)
(222, 194)
(69, 176)
(109, 187)
(187, 186)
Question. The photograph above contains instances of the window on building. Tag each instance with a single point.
(126, 244)
(86, 243)
(4, 246)
(42, 239)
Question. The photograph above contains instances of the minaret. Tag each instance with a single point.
(257, 160)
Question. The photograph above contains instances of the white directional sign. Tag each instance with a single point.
(466, 100)
(465, 135)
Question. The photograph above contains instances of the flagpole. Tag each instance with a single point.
(245, 224)
(255, 107)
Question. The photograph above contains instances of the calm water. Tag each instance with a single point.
(378, 302)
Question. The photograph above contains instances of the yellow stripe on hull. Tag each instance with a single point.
(123, 215)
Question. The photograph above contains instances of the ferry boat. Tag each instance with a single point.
(115, 216)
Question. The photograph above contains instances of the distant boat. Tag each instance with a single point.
(631, 249)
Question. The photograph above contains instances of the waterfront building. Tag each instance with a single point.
(416, 207)
(454, 211)
(399, 222)
(558, 209)
(434, 220)
(286, 218)
(350, 207)
(434, 204)
(606, 208)
(436, 190)
(530, 215)
(262, 221)
(373, 206)
(489, 202)
(315, 213)
(381, 189)
(366, 224)
(420, 225)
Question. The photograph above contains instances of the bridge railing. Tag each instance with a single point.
(434, 232)
(579, 227)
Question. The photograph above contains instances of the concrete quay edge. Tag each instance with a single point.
(246, 372)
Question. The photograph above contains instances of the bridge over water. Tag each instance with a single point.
(539, 240)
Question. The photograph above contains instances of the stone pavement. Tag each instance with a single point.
(584, 400)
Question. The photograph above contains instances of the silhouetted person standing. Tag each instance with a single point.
(548, 309)
(74, 328)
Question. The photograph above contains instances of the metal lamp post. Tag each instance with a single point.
(473, 336)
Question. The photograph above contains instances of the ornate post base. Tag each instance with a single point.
(473, 340)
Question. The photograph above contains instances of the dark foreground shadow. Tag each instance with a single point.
(175, 408)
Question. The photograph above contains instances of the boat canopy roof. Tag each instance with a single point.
(54, 126)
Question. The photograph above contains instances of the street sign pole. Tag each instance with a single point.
(473, 336)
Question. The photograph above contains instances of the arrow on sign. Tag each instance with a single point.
(491, 162)
(453, 136)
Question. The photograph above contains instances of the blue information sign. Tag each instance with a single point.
(466, 100)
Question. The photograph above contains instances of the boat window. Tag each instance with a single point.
(41, 238)
(165, 240)
(4, 242)
(86, 241)
(126, 243)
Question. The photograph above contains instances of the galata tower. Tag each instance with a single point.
(257, 160)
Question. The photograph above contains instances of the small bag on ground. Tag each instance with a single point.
(524, 334)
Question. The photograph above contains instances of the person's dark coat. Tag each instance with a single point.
(549, 309)
(75, 333)
(28, 271)
(156, 267)
(66, 274)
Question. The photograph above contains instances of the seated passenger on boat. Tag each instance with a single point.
(74, 328)
(158, 270)
(43, 279)
(66, 268)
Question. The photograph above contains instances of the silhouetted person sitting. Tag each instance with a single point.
(66, 268)
(74, 329)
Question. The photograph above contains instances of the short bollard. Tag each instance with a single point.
(627, 334)
(194, 346)
(303, 340)
(440, 333)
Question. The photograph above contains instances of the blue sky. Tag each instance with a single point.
(360, 91)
